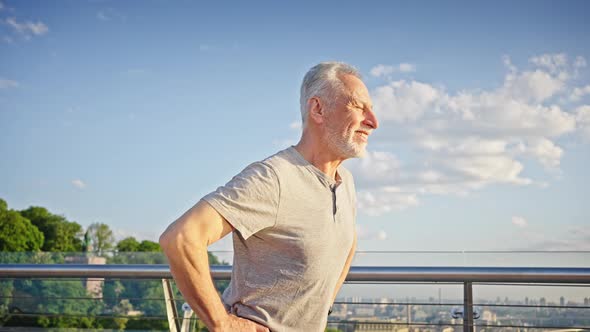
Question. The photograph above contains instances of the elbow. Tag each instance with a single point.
(180, 238)
(165, 240)
(171, 240)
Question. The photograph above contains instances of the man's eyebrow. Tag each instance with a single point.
(364, 104)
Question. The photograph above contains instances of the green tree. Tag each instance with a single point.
(17, 233)
(6, 289)
(149, 246)
(3, 205)
(62, 300)
(119, 311)
(60, 234)
(111, 291)
(128, 244)
(101, 237)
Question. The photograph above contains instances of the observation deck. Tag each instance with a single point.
(140, 297)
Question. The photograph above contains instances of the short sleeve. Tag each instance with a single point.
(250, 200)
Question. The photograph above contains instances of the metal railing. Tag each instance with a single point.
(466, 276)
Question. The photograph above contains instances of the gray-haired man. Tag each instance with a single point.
(292, 216)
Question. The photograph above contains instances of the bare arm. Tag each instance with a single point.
(185, 244)
(346, 268)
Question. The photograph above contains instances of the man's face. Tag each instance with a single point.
(351, 119)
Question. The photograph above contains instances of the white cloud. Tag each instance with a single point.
(5, 84)
(384, 200)
(536, 86)
(79, 184)
(578, 93)
(553, 62)
(403, 101)
(382, 70)
(386, 70)
(365, 234)
(545, 151)
(28, 28)
(508, 63)
(455, 143)
(407, 67)
(519, 222)
(580, 62)
(480, 170)
(583, 120)
(376, 168)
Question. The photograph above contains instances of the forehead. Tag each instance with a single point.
(356, 88)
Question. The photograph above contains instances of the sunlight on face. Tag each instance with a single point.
(347, 143)
(345, 132)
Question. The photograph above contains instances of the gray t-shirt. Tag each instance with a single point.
(294, 230)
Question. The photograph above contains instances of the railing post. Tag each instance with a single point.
(468, 307)
(186, 319)
(171, 311)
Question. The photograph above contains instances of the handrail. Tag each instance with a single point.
(356, 273)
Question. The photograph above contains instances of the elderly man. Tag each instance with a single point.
(292, 216)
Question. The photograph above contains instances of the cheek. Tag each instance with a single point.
(354, 122)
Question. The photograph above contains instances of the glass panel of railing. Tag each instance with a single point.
(362, 258)
(473, 258)
(459, 258)
(391, 306)
(383, 306)
(89, 303)
(549, 305)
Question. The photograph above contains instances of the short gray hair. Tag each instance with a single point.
(322, 81)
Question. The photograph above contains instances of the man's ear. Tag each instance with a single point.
(316, 110)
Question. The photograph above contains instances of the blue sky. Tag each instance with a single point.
(128, 112)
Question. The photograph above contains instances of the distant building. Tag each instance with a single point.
(489, 316)
(365, 311)
(373, 324)
(383, 302)
(93, 285)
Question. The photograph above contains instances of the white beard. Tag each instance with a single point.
(344, 145)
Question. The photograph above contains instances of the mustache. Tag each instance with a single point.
(367, 130)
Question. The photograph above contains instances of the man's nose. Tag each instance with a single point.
(371, 120)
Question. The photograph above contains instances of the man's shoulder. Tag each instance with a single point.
(343, 171)
(345, 175)
(282, 159)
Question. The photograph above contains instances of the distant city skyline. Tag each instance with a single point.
(128, 114)
(500, 313)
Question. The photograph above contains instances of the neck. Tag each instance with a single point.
(319, 156)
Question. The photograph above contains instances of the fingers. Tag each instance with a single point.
(260, 328)
(242, 324)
